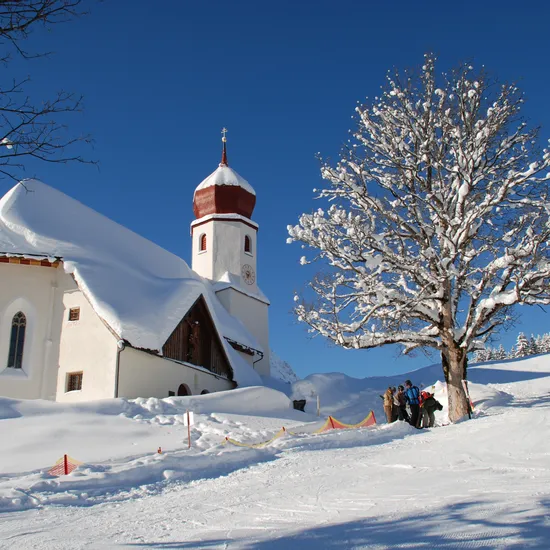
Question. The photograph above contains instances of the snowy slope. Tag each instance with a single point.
(483, 483)
(348, 397)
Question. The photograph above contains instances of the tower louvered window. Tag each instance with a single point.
(202, 243)
(17, 340)
(247, 244)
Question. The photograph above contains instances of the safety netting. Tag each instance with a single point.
(331, 423)
(64, 466)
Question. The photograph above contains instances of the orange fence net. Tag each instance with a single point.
(333, 424)
(280, 433)
(65, 465)
(330, 424)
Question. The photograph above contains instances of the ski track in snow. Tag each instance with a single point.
(476, 484)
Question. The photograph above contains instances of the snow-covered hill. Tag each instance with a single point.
(483, 483)
(282, 375)
(281, 370)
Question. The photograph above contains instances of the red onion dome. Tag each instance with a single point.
(224, 192)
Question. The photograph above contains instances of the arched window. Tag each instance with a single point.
(247, 244)
(17, 340)
(184, 390)
(202, 243)
(204, 392)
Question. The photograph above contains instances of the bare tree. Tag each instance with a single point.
(29, 129)
(439, 222)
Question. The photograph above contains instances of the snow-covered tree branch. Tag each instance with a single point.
(438, 222)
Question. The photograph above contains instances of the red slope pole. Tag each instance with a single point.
(65, 464)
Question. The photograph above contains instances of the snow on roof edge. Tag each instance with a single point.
(224, 216)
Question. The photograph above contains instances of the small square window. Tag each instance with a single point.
(74, 314)
(74, 381)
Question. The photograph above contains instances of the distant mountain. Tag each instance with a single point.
(281, 370)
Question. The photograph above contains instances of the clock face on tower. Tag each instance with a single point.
(248, 274)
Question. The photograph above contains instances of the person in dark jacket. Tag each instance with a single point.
(429, 405)
(412, 395)
(402, 413)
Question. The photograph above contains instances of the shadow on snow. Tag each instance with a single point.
(471, 524)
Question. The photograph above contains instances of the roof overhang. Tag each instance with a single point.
(29, 259)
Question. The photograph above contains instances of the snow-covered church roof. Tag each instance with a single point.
(139, 289)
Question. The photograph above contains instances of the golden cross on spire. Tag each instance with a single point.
(224, 132)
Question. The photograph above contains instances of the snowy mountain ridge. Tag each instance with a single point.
(281, 370)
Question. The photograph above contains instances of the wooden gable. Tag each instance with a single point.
(196, 341)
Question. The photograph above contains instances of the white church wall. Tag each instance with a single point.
(254, 315)
(87, 346)
(142, 374)
(247, 357)
(225, 298)
(31, 290)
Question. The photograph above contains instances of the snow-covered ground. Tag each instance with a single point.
(483, 483)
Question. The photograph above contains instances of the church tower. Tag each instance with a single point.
(225, 251)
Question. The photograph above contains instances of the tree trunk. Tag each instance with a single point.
(454, 367)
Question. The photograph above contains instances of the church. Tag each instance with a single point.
(91, 310)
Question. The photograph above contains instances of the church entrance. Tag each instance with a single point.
(183, 390)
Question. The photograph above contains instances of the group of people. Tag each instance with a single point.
(421, 405)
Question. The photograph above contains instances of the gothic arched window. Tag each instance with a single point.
(202, 243)
(247, 244)
(17, 340)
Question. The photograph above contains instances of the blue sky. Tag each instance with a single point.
(160, 79)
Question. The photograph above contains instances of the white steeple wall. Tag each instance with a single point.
(225, 250)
